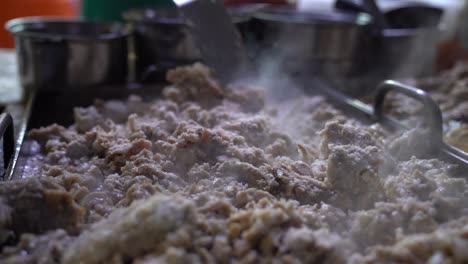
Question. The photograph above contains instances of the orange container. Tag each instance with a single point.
(10, 9)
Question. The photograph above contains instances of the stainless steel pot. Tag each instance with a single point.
(162, 40)
(329, 44)
(55, 53)
(408, 52)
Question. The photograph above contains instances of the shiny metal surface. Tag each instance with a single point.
(432, 112)
(433, 116)
(330, 44)
(161, 41)
(367, 113)
(7, 135)
(17, 106)
(408, 52)
(21, 113)
(56, 53)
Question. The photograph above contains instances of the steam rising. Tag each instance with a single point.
(284, 80)
(298, 180)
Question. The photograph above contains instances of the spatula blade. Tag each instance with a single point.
(217, 38)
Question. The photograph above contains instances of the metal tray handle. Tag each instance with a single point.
(6, 132)
(432, 113)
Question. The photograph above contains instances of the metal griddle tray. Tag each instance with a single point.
(433, 119)
(13, 125)
(39, 108)
(375, 113)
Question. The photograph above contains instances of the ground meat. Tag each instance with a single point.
(38, 249)
(336, 134)
(5, 221)
(87, 118)
(388, 221)
(36, 205)
(123, 231)
(428, 180)
(442, 246)
(353, 174)
(193, 83)
(354, 161)
(414, 142)
(207, 174)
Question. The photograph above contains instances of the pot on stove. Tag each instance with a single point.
(56, 53)
(162, 39)
(330, 44)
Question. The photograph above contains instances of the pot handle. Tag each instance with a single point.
(349, 6)
(432, 113)
(6, 132)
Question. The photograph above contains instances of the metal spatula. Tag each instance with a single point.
(219, 42)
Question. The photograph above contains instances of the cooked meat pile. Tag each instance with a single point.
(213, 175)
(450, 91)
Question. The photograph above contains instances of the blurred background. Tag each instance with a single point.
(342, 39)
(113, 10)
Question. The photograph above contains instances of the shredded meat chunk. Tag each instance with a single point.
(442, 246)
(38, 249)
(206, 174)
(130, 231)
(36, 205)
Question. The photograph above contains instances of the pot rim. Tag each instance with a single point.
(18, 27)
(408, 32)
(292, 16)
(150, 16)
